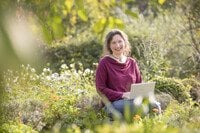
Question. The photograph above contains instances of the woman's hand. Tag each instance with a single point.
(126, 95)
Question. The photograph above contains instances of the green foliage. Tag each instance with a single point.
(40, 100)
(162, 46)
(195, 88)
(191, 81)
(174, 87)
(70, 17)
(16, 128)
(150, 59)
(85, 119)
(65, 101)
(182, 115)
(146, 125)
(86, 53)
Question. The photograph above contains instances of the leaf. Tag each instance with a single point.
(57, 20)
(133, 14)
(111, 22)
(99, 25)
(119, 23)
(82, 15)
(161, 2)
(69, 4)
(126, 1)
(58, 30)
(79, 4)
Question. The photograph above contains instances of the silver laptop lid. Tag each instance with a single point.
(142, 90)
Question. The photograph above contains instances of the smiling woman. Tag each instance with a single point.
(115, 74)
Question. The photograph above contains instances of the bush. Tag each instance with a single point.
(67, 101)
(172, 86)
(86, 53)
(150, 59)
(40, 100)
(184, 116)
(16, 128)
(195, 88)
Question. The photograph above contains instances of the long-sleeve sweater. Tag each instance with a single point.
(114, 78)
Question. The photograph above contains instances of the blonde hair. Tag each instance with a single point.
(106, 48)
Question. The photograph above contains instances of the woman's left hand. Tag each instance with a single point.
(126, 95)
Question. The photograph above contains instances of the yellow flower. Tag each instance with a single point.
(55, 97)
(161, 2)
(137, 117)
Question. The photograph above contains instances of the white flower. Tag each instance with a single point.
(33, 70)
(48, 77)
(87, 70)
(79, 91)
(75, 74)
(72, 65)
(55, 75)
(44, 70)
(64, 66)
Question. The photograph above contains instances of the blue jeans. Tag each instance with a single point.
(123, 106)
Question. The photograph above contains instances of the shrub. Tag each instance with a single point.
(150, 59)
(172, 86)
(64, 102)
(16, 128)
(184, 116)
(195, 88)
(40, 100)
(145, 125)
(86, 53)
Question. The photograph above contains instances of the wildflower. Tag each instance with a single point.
(33, 70)
(46, 105)
(72, 65)
(55, 98)
(54, 75)
(64, 66)
(137, 117)
(48, 78)
(87, 70)
(79, 91)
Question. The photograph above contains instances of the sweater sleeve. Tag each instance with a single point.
(101, 86)
(138, 74)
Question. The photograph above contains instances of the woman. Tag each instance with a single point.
(116, 72)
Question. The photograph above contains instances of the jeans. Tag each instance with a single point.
(123, 106)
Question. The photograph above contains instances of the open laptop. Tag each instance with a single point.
(142, 90)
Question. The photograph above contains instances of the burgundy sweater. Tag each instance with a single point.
(114, 78)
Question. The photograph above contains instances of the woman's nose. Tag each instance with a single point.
(117, 45)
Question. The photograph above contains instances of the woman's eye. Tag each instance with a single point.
(113, 42)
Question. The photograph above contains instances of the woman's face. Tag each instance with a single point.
(117, 45)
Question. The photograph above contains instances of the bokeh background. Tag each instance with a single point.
(51, 37)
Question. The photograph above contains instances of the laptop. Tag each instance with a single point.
(142, 90)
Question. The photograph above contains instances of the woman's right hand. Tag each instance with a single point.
(126, 95)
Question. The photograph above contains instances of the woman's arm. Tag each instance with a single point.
(101, 85)
(138, 75)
